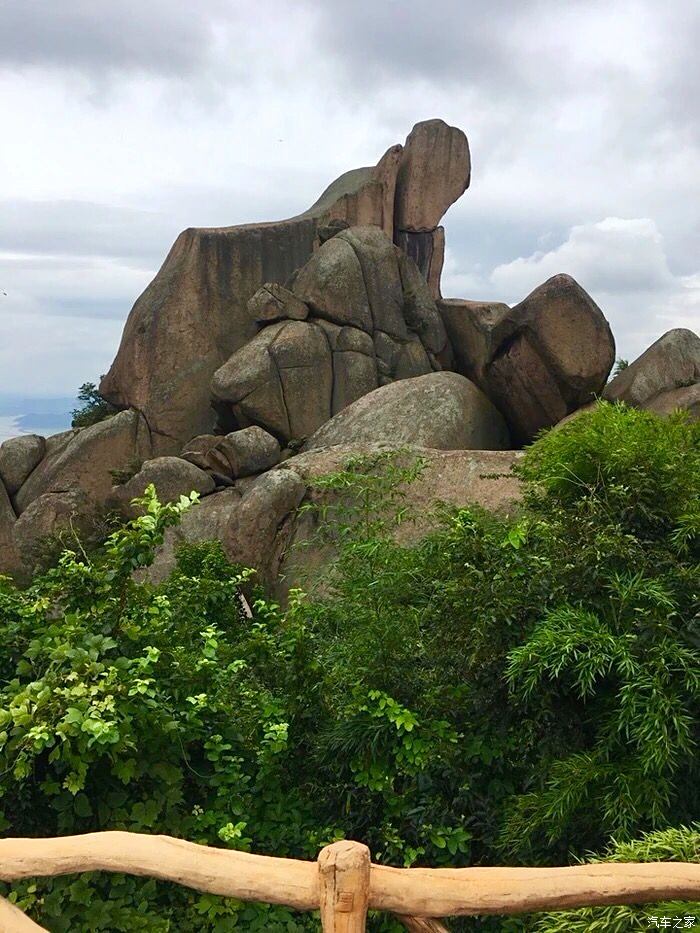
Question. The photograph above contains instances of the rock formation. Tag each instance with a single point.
(663, 377)
(264, 355)
(443, 411)
(371, 320)
(194, 314)
(538, 361)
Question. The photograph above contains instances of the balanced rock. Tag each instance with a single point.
(539, 360)
(669, 364)
(435, 171)
(240, 453)
(172, 477)
(86, 458)
(18, 457)
(443, 411)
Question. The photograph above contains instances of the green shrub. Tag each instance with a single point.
(94, 408)
(511, 690)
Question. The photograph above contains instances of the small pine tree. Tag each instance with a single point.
(95, 408)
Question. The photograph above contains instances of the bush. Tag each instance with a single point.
(511, 690)
(95, 408)
(156, 710)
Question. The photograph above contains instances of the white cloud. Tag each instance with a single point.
(623, 264)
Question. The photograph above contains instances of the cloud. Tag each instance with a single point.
(73, 286)
(83, 228)
(36, 347)
(83, 35)
(622, 263)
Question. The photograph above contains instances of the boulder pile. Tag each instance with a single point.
(263, 355)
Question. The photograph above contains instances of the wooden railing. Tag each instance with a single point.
(343, 884)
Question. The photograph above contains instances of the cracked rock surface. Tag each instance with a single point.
(372, 321)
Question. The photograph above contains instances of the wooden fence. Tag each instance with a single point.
(343, 884)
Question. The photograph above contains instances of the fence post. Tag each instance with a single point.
(343, 873)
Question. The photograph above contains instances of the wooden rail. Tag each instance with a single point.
(343, 884)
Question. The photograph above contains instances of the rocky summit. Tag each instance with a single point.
(264, 355)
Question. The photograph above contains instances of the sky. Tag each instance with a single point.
(123, 122)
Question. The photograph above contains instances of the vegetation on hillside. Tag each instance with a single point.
(519, 690)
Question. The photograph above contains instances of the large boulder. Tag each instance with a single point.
(208, 520)
(443, 410)
(252, 523)
(538, 361)
(172, 477)
(259, 534)
(372, 321)
(18, 457)
(687, 398)
(241, 453)
(54, 519)
(281, 380)
(669, 364)
(434, 172)
(86, 458)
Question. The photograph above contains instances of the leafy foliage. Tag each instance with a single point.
(94, 408)
(620, 366)
(516, 689)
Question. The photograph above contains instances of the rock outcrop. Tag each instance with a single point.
(241, 453)
(172, 477)
(194, 314)
(322, 334)
(18, 457)
(260, 526)
(538, 361)
(443, 411)
(372, 320)
(86, 459)
(663, 377)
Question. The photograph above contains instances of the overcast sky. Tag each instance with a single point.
(124, 121)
